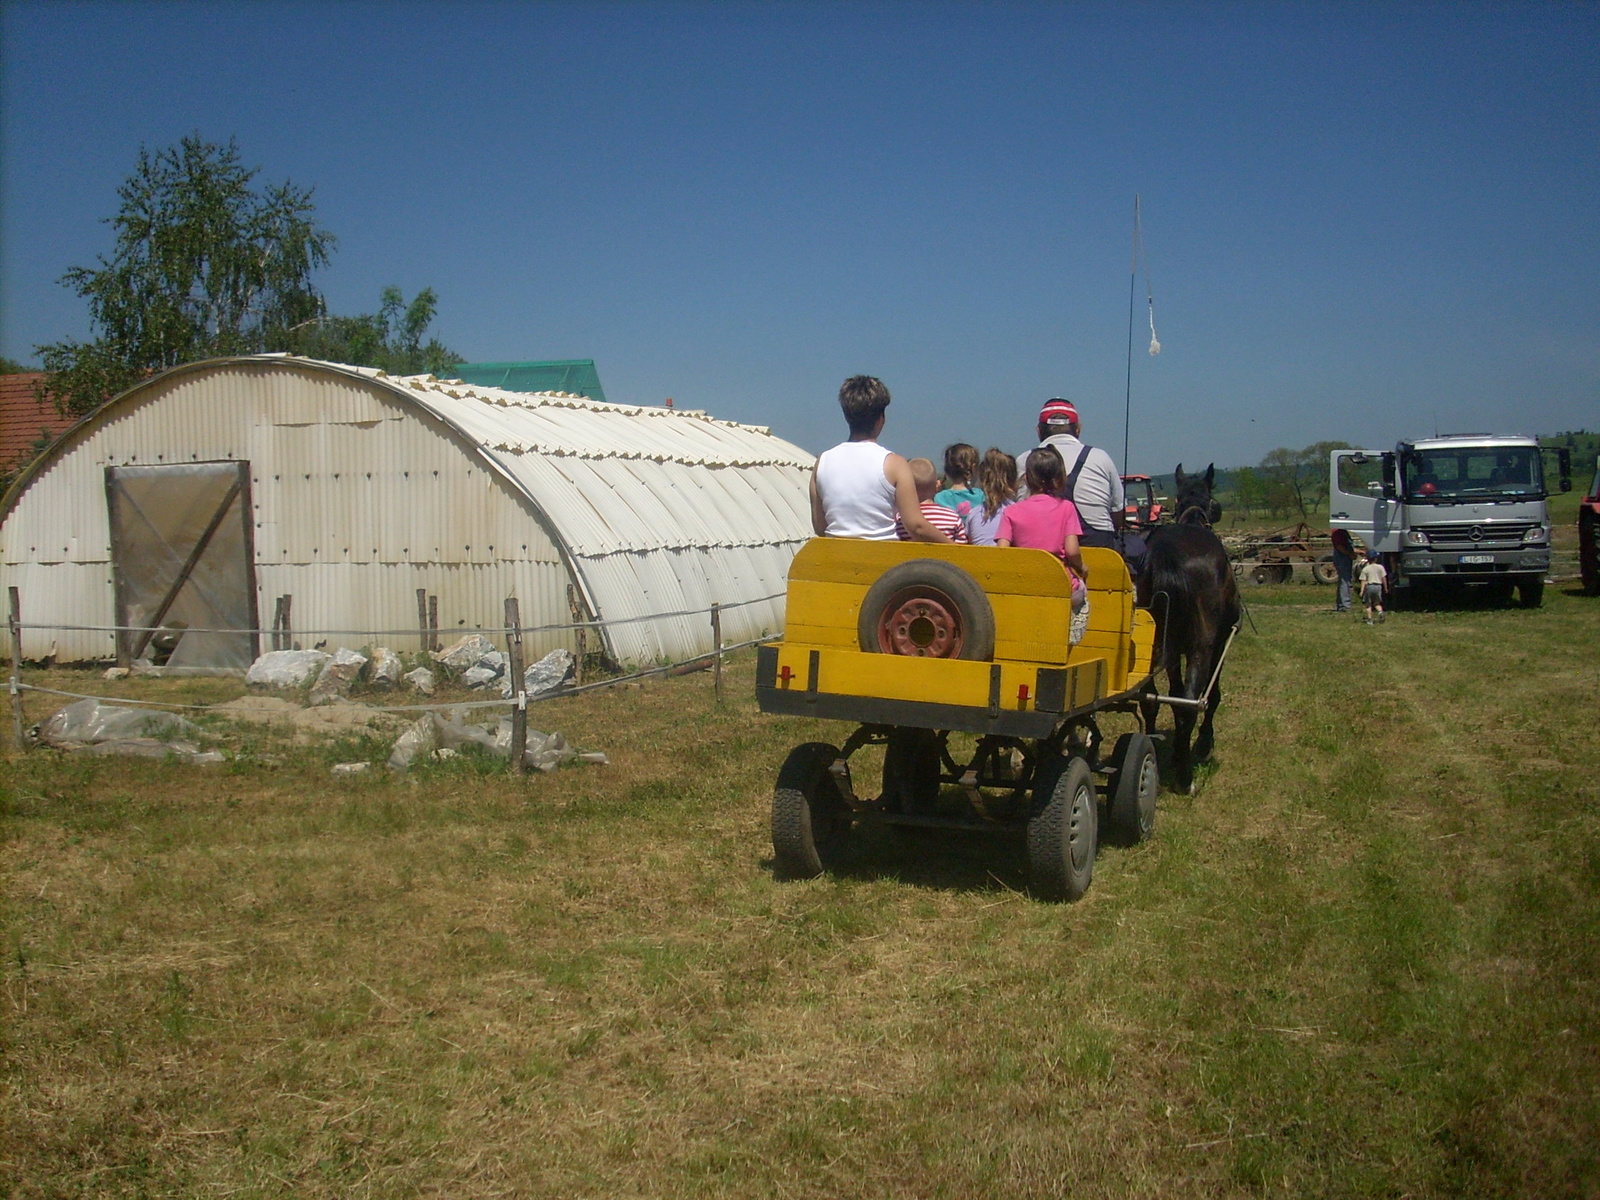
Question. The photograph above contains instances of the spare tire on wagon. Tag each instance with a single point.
(927, 608)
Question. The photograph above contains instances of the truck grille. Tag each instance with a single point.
(1482, 533)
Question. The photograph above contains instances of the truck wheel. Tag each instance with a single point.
(1323, 570)
(810, 820)
(927, 608)
(1064, 829)
(1530, 590)
(1131, 811)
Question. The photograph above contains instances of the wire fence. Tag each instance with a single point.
(512, 632)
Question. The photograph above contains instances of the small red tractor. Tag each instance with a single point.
(1143, 505)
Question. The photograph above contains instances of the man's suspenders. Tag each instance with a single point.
(1077, 469)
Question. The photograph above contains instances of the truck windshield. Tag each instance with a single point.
(1478, 473)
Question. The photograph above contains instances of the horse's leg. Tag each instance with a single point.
(1182, 723)
(1203, 743)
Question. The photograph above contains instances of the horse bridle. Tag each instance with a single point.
(1183, 516)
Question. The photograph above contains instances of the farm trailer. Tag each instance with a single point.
(956, 660)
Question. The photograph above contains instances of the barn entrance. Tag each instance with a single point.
(183, 564)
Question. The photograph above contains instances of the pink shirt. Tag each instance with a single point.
(1040, 523)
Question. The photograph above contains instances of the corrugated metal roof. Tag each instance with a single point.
(654, 510)
(659, 509)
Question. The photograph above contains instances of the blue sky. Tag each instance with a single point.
(1362, 222)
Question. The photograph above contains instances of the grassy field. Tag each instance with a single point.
(1362, 961)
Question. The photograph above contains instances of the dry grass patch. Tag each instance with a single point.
(1361, 962)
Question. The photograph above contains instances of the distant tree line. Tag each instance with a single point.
(1291, 484)
(205, 264)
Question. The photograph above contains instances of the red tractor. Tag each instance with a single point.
(1143, 505)
(1589, 535)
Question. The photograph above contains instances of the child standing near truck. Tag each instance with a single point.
(1374, 583)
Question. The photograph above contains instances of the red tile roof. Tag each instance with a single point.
(23, 417)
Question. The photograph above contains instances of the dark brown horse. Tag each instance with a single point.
(1188, 584)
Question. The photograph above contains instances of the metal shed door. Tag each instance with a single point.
(182, 557)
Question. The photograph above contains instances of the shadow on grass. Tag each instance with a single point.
(946, 860)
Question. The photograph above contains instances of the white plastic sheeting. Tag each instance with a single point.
(367, 487)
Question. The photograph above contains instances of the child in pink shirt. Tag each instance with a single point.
(1046, 520)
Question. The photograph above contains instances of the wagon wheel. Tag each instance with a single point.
(1064, 829)
(1323, 570)
(810, 820)
(927, 608)
(1131, 810)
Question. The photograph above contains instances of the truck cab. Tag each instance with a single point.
(1451, 512)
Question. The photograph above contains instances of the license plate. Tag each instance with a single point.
(1475, 559)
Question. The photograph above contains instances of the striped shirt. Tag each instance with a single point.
(946, 520)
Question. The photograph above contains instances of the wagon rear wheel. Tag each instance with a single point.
(1064, 829)
(810, 819)
(1131, 810)
(1323, 570)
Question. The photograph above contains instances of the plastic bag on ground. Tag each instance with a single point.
(338, 674)
(286, 668)
(88, 722)
(417, 742)
(452, 733)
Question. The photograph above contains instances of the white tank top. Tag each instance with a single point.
(857, 497)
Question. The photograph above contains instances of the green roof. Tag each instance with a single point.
(575, 375)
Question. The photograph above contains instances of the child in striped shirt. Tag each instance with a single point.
(946, 520)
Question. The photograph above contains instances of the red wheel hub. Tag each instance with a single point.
(920, 622)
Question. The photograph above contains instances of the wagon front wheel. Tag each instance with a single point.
(1063, 830)
(1131, 810)
(810, 819)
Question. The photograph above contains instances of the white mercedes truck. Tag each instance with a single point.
(1450, 513)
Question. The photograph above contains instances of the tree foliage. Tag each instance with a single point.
(1295, 482)
(202, 265)
(390, 338)
(206, 264)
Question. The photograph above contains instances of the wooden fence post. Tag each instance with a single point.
(422, 618)
(583, 634)
(433, 622)
(15, 622)
(519, 687)
(716, 648)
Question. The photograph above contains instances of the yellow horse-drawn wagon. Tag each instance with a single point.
(916, 643)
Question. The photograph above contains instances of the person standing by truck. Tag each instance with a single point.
(1374, 585)
(1344, 561)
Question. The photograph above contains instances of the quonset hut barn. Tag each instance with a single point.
(199, 498)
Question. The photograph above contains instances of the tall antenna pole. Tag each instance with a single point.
(1133, 275)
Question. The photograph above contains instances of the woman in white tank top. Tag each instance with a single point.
(856, 495)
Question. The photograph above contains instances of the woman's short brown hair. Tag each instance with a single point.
(863, 399)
